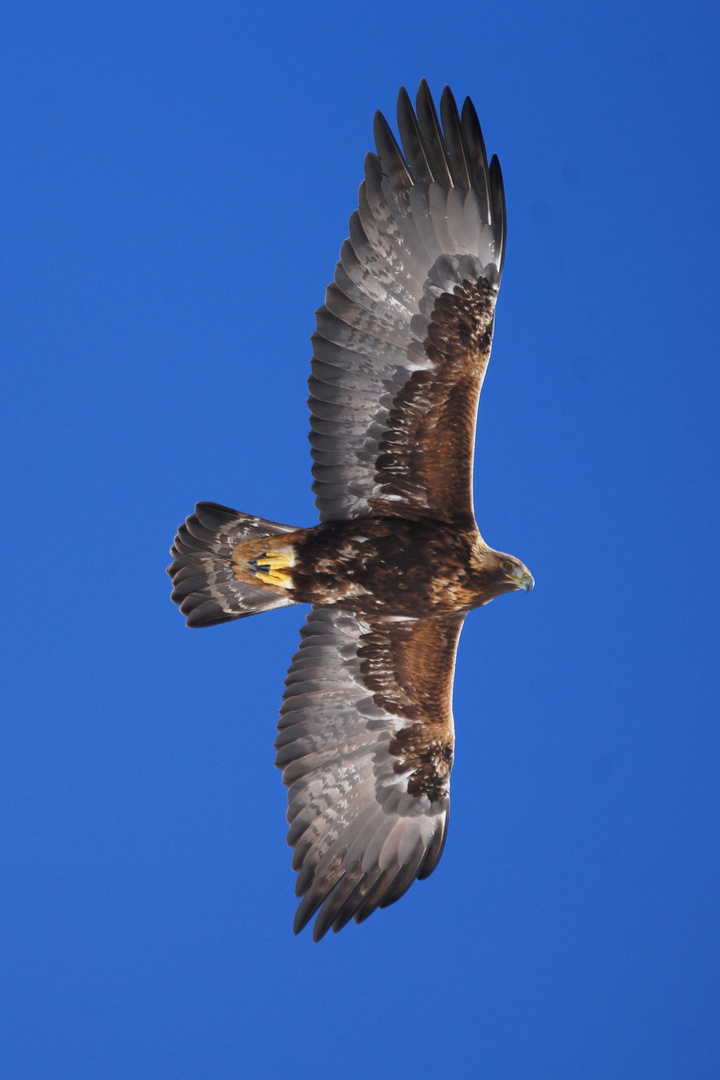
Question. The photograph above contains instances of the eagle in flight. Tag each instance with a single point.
(402, 343)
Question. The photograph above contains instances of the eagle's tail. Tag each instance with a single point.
(205, 583)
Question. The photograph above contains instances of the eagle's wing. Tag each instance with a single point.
(404, 336)
(366, 745)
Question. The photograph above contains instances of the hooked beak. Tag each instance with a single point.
(521, 579)
(527, 581)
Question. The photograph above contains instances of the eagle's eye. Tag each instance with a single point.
(508, 566)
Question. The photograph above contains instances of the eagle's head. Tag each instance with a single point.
(498, 573)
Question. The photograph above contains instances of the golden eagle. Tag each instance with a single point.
(402, 343)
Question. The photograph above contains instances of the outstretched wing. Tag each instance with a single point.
(366, 745)
(404, 336)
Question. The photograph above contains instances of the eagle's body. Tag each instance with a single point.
(366, 730)
(388, 566)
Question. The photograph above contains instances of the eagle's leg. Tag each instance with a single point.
(265, 560)
(271, 567)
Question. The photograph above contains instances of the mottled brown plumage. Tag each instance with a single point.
(391, 566)
(426, 457)
(366, 736)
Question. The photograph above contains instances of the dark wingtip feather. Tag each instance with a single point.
(433, 853)
(389, 152)
(472, 130)
(499, 213)
(432, 135)
(476, 154)
(453, 140)
(412, 140)
(305, 911)
(372, 898)
(402, 881)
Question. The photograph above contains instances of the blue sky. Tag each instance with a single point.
(175, 186)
